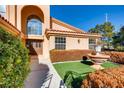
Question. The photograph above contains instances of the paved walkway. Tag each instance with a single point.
(97, 67)
(42, 74)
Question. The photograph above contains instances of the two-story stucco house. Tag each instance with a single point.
(43, 33)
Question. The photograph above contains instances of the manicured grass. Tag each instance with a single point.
(67, 71)
(78, 67)
(108, 64)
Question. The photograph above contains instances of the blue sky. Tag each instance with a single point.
(87, 16)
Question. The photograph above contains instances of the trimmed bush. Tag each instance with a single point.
(117, 57)
(87, 62)
(107, 78)
(14, 61)
(68, 55)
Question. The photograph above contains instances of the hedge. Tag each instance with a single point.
(14, 61)
(107, 78)
(68, 55)
(117, 57)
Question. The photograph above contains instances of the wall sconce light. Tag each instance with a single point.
(78, 41)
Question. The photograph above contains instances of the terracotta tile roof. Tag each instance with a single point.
(9, 25)
(68, 31)
(8, 22)
(65, 25)
(50, 32)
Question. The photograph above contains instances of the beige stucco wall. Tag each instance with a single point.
(76, 43)
(71, 43)
(10, 14)
(51, 42)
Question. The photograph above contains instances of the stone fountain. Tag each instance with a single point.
(98, 58)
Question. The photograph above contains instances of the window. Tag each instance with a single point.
(34, 27)
(3, 10)
(28, 44)
(92, 43)
(39, 44)
(60, 43)
(36, 44)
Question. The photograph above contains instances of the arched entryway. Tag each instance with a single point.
(32, 20)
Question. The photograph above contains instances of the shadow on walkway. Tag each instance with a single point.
(35, 77)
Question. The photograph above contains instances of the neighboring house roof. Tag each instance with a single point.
(64, 25)
(52, 32)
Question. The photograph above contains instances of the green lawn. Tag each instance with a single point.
(78, 67)
(108, 64)
(81, 70)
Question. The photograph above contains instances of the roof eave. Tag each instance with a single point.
(69, 33)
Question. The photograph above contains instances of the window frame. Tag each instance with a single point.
(92, 43)
(34, 31)
(60, 43)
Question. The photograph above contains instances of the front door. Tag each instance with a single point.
(35, 47)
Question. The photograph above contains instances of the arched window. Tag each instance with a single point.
(3, 10)
(34, 27)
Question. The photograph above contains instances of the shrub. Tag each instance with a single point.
(14, 61)
(68, 55)
(84, 58)
(107, 78)
(119, 48)
(87, 62)
(73, 79)
(117, 57)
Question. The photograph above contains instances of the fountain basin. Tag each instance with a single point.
(98, 58)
